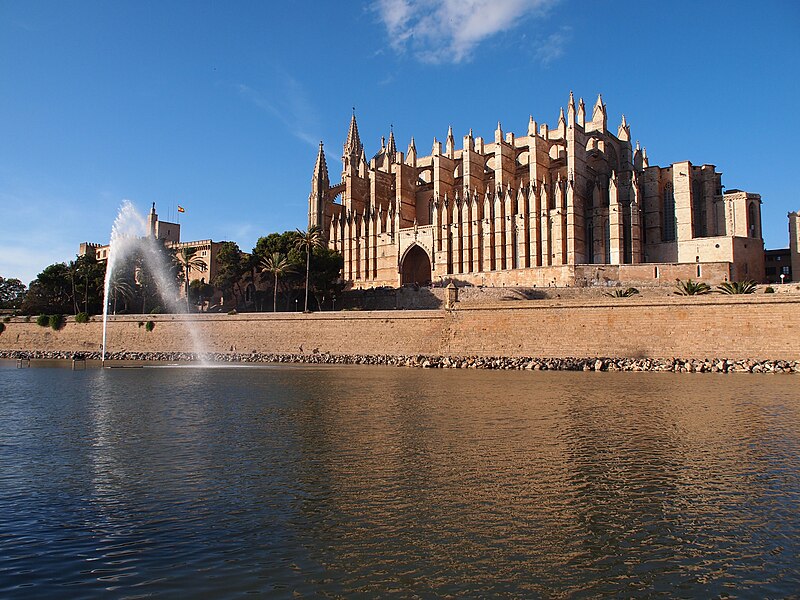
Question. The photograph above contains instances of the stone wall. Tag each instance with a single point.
(763, 327)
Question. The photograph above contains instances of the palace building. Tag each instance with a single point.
(573, 205)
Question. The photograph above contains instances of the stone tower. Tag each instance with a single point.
(794, 243)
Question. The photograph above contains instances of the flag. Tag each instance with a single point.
(181, 209)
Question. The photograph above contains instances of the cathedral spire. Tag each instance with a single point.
(599, 114)
(581, 113)
(498, 133)
(562, 122)
(531, 127)
(320, 183)
(321, 170)
(571, 109)
(624, 131)
(353, 144)
(411, 154)
(450, 143)
(392, 147)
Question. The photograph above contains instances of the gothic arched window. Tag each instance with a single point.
(751, 220)
(698, 209)
(668, 215)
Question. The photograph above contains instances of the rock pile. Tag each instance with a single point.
(676, 365)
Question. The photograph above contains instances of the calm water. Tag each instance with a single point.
(364, 482)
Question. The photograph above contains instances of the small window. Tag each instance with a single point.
(698, 270)
(655, 272)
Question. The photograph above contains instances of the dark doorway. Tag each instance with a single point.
(416, 267)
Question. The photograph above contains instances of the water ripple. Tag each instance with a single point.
(348, 482)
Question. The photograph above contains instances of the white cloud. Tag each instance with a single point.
(553, 46)
(448, 31)
(289, 104)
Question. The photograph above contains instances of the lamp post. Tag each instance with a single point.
(333, 303)
(783, 276)
(295, 305)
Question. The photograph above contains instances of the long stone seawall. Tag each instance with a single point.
(744, 327)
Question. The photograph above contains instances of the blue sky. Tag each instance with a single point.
(220, 106)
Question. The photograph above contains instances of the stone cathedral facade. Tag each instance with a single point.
(573, 204)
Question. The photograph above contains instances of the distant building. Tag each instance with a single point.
(170, 234)
(570, 205)
(794, 242)
(785, 261)
(777, 263)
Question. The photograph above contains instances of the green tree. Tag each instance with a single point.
(119, 288)
(189, 261)
(326, 274)
(50, 292)
(282, 243)
(200, 292)
(231, 266)
(87, 278)
(278, 265)
(12, 292)
(307, 241)
(142, 270)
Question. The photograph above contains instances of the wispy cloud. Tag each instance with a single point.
(448, 31)
(290, 105)
(553, 46)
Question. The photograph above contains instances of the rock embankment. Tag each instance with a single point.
(677, 365)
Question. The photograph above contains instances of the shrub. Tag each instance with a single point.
(692, 288)
(737, 287)
(150, 326)
(233, 312)
(56, 322)
(141, 323)
(82, 317)
(626, 293)
(6, 319)
(43, 321)
(769, 290)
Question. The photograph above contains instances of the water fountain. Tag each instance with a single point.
(129, 234)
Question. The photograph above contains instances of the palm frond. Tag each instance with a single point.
(737, 287)
(692, 288)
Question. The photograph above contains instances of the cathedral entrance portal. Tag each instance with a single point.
(416, 267)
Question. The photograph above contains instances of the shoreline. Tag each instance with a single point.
(424, 361)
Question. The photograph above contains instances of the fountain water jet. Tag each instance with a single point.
(129, 234)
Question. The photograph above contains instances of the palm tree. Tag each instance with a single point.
(692, 288)
(278, 265)
(308, 240)
(120, 287)
(737, 287)
(189, 261)
(626, 293)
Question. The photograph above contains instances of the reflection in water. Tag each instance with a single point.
(373, 481)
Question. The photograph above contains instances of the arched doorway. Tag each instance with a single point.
(416, 267)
